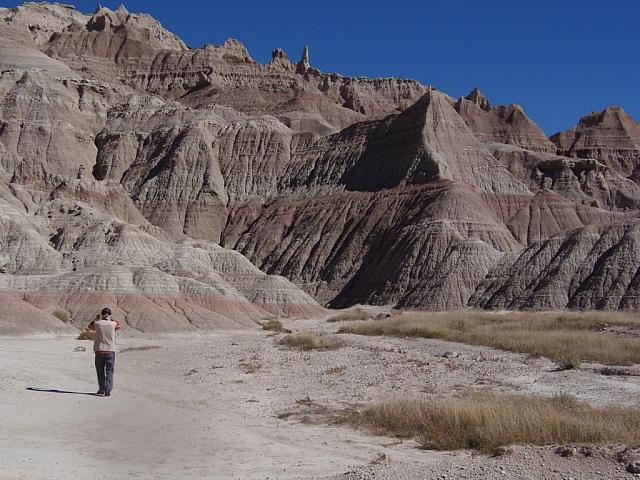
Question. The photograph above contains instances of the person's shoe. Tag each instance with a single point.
(100, 393)
(107, 394)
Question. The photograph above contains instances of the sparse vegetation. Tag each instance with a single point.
(569, 362)
(338, 370)
(618, 372)
(140, 349)
(310, 341)
(4, 263)
(380, 459)
(275, 325)
(418, 362)
(252, 364)
(61, 315)
(568, 337)
(486, 421)
(87, 334)
(352, 314)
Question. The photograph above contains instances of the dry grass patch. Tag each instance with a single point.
(310, 341)
(252, 364)
(61, 315)
(338, 370)
(486, 421)
(353, 314)
(140, 349)
(275, 326)
(87, 334)
(569, 337)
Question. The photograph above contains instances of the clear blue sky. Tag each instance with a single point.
(559, 59)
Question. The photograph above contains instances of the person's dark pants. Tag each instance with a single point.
(105, 363)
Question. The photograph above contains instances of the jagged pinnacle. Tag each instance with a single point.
(303, 64)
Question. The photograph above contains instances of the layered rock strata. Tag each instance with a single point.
(611, 136)
(196, 188)
(507, 124)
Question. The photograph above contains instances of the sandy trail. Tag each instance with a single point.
(155, 424)
(187, 407)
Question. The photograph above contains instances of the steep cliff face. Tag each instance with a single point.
(198, 188)
(165, 156)
(502, 124)
(584, 181)
(117, 36)
(340, 247)
(426, 142)
(591, 267)
(67, 254)
(137, 51)
(74, 243)
(48, 124)
(41, 20)
(611, 136)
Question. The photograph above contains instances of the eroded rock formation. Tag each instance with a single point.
(611, 136)
(198, 188)
(503, 124)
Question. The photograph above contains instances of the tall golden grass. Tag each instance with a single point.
(351, 314)
(275, 325)
(310, 341)
(568, 337)
(485, 421)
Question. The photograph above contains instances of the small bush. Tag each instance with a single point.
(87, 334)
(486, 421)
(310, 341)
(353, 314)
(4, 264)
(61, 315)
(569, 362)
(275, 326)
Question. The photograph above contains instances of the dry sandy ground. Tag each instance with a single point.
(207, 406)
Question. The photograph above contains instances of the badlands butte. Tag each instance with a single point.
(196, 188)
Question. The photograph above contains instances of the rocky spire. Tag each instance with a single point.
(278, 53)
(122, 10)
(477, 97)
(279, 59)
(303, 64)
(103, 18)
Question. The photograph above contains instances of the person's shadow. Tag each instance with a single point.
(53, 390)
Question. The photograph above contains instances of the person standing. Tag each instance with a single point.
(104, 347)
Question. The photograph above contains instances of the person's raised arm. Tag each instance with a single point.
(92, 325)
